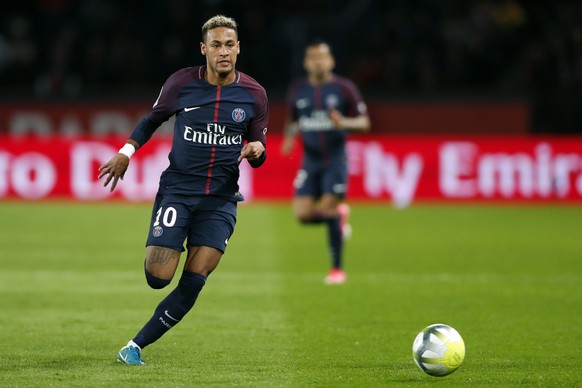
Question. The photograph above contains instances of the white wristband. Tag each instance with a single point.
(127, 150)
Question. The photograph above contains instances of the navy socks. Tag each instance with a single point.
(335, 239)
(172, 309)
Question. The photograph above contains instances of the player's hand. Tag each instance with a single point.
(287, 146)
(251, 151)
(114, 169)
(337, 119)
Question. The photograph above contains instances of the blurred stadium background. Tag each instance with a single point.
(446, 71)
(494, 49)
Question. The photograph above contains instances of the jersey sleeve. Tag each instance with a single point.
(292, 114)
(259, 123)
(158, 114)
(355, 102)
(164, 107)
(166, 104)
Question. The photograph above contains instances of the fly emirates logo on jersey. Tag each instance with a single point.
(318, 121)
(215, 134)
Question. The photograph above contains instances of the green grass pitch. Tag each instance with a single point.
(508, 278)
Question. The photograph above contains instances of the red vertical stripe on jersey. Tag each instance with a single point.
(318, 103)
(213, 151)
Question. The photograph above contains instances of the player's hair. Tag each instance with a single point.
(218, 21)
(318, 41)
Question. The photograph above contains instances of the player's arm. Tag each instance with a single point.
(357, 118)
(255, 151)
(116, 167)
(162, 110)
(291, 127)
(290, 131)
(360, 123)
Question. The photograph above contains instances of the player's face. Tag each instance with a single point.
(221, 49)
(318, 60)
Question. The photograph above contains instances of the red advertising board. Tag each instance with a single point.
(395, 169)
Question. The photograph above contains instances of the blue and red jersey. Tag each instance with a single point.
(212, 125)
(308, 106)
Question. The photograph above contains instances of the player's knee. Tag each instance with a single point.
(304, 218)
(154, 281)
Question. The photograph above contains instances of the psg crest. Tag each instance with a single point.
(238, 115)
(157, 231)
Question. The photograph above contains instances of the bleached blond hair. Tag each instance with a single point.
(218, 21)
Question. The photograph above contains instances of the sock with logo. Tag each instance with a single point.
(334, 235)
(172, 309)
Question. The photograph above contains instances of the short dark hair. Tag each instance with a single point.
(318, 41)
(218, 21)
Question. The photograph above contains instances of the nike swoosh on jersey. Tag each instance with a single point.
(192, 108)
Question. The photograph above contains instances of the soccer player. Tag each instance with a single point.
(323, 108)
(221, 118)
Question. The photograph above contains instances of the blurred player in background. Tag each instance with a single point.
(221, 118)
(323, 108)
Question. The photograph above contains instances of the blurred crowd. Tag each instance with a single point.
(391, 48)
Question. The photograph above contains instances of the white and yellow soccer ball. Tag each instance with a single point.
(438, 350)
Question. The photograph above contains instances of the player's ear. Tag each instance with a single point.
(237, 47)
(202, 48)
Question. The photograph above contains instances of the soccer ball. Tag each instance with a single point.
(438, 350)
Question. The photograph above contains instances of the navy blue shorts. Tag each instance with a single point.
(315, 180)
(200, 221)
